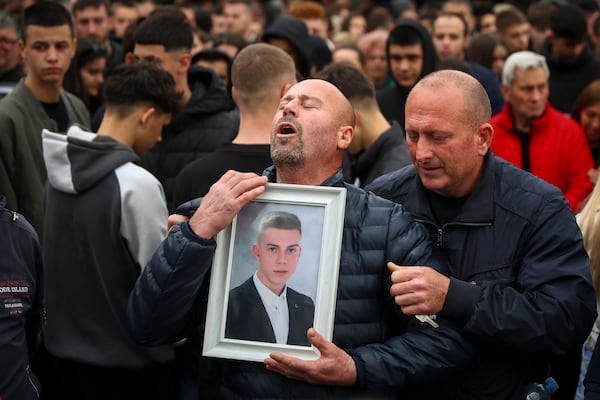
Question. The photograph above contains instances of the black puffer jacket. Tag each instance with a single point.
(210, 120)
(392, 352)
(520, 280)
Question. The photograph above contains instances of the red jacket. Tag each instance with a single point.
(559, 152)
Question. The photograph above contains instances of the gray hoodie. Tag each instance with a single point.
(104, 218)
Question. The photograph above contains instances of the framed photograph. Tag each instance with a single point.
(275, 274)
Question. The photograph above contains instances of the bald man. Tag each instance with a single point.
(520, 284)
(377, 352)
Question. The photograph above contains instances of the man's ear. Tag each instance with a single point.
(234, 95)
(485, 133)
(185, 62)
(345, 135)
(255, 251)
(357, 117)
(74, 48)
(284, 89)
(146, 115)
(129, 58)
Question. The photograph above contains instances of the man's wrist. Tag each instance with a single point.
(461, 299)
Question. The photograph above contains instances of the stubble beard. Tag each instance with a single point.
(291, 157)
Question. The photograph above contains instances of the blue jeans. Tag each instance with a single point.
(586, 355)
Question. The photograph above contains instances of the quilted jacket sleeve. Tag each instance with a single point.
(418, 353)
(161, 305)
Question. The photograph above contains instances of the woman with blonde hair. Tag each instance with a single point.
(589, 223)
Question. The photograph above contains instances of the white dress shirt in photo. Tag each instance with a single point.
(277, 309)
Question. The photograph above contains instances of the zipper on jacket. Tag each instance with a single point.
(439, 240)
(440, 237)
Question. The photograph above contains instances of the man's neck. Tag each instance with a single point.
(182, 85)
(372, 127)
(305, 176)
(119, 129)
(522, 125)
(43, 92)
(254, 129)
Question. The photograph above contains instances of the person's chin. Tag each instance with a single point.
(431, 179)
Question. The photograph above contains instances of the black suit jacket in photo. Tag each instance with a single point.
(247, 318)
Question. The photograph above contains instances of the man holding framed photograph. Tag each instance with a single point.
(376, 351)
(264, 308)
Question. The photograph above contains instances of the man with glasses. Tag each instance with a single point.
(11, 69)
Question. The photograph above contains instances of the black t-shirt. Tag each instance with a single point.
(445, 209)
(58, 112)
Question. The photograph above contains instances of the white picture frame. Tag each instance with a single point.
(321, 210)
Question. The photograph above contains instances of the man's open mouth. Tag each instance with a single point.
(286, 129)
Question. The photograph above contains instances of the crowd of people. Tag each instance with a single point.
(464, 133)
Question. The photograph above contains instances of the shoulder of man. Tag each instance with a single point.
(395, 185)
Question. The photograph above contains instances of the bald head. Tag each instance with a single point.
(330, 93)
(476, 103)
(312, 128)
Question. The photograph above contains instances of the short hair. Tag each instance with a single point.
(47, 14)
(455, 64)
(231, 38)
(468, 3)
(353, 47)
(308, 10)
(379, 18)
(170, 29)
(588, 96)
(212, 54)
(404, 35)
(345, 25)
(455, 15)
(81, 4)
(246, 2)
(481, 49)
(142, 82)
(257, 69)
(352, 82)
(568, 22)
(372, 39)
(280, 220)
(7, 21)
(539, 14)
(509, 17)
(522, 60)
(477, 105)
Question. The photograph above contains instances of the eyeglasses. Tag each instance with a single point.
(8, 41)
